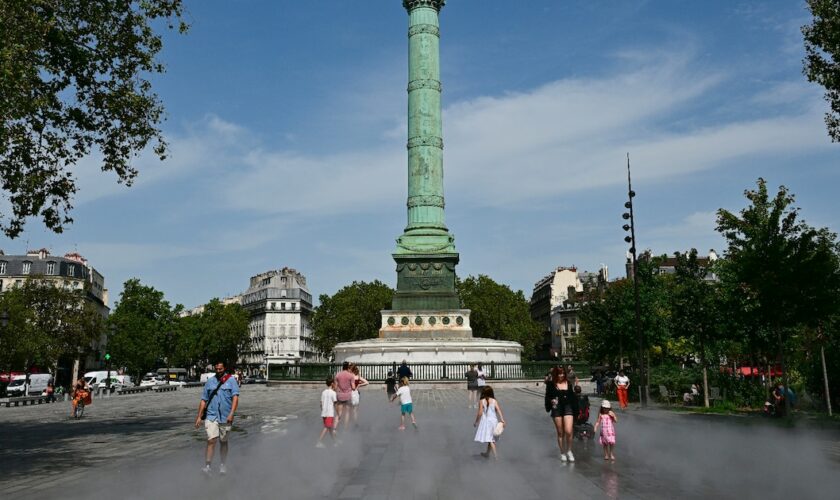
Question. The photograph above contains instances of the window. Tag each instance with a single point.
(50, 267)
(71, 270)
(282, 293)
(294, 306)
(2, 267)
(282, 306)
(27, 267)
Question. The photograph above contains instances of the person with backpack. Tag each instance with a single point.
(219, 401)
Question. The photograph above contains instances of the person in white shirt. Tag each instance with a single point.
(328, 401)
(622, 383)
(406, 406)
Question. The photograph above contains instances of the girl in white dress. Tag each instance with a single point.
(488, 416)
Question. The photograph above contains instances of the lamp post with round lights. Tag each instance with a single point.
(631, 239)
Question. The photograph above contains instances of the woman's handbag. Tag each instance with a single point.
(354, 398)
(500, 428)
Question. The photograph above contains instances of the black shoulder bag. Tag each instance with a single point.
(212, 395)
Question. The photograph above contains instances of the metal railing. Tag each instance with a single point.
(423, 372)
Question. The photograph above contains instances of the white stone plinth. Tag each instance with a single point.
(394, 350)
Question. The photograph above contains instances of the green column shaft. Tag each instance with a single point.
(425, 138)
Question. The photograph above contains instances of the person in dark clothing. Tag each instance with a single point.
(404, 371)
(562, 404)
(390, 385)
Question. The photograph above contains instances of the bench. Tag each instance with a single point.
(24, 400)
(667, 395)
(165, 388)
(193, 384)
(132, 390)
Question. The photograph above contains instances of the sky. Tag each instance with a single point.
(287, 127)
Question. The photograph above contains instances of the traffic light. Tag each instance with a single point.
(107, 356)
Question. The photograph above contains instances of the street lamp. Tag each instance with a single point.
(631, 239)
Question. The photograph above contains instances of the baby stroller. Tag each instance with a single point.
(582, 429)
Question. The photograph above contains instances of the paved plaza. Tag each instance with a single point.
(144, 446)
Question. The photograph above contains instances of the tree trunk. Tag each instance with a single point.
(75, 376)
(825, 380)
(705, 374)
(784, 371)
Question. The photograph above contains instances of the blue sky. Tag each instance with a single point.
(286, 121)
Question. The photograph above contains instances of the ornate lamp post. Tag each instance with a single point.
(631, 238)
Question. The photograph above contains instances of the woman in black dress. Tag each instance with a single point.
(561, 403)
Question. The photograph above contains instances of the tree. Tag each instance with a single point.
(608, 318)
(352, 313)
(497, 312)
(138, 324)
(778, 264)
(695, 310)
(74, 78)
(223, 333)
(19, 340)
(822, 57)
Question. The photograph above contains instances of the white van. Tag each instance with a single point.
(37, 383)
(93, 378)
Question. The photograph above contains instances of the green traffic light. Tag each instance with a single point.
(107, 357)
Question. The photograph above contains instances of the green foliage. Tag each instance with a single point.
(74, 78)
(222, 333)
(139, 325)
(499, 313)
(45, 321)
(352, 313)
(822, 57)
(608, 318)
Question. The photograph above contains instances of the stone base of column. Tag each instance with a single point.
(426, 282)
(427, 324)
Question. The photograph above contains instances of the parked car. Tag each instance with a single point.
(150, 379)
(117, 381)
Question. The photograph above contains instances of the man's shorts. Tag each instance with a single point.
(407, 408)
(328, 422)
(216, 430)
(340, 402)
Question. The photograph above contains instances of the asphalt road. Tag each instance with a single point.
(144, 446)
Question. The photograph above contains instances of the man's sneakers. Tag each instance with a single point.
(206, 470)
(320, 445)
(415, 425)
(222, 469)
(570, 457)
(563, 457)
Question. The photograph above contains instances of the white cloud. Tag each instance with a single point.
(567, 135)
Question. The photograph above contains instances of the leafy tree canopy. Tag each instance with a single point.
(73, 77)
(352, 313)
(497, 312)
(822, 57)
(139, 323)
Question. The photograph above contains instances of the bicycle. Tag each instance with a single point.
(79, 410)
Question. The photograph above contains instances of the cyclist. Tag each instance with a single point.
(81, 392)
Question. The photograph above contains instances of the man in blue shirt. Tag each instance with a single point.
(220, 399)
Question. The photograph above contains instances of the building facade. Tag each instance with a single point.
(71, 271)
(280, 308)
(555, 303)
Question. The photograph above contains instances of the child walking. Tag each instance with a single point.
(328, 401)
(488, 417)
(606, 420)
(406, 406)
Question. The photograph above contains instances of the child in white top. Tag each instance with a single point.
(406, 406)
(328, 401)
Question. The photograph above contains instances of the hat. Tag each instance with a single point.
(605, 404)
